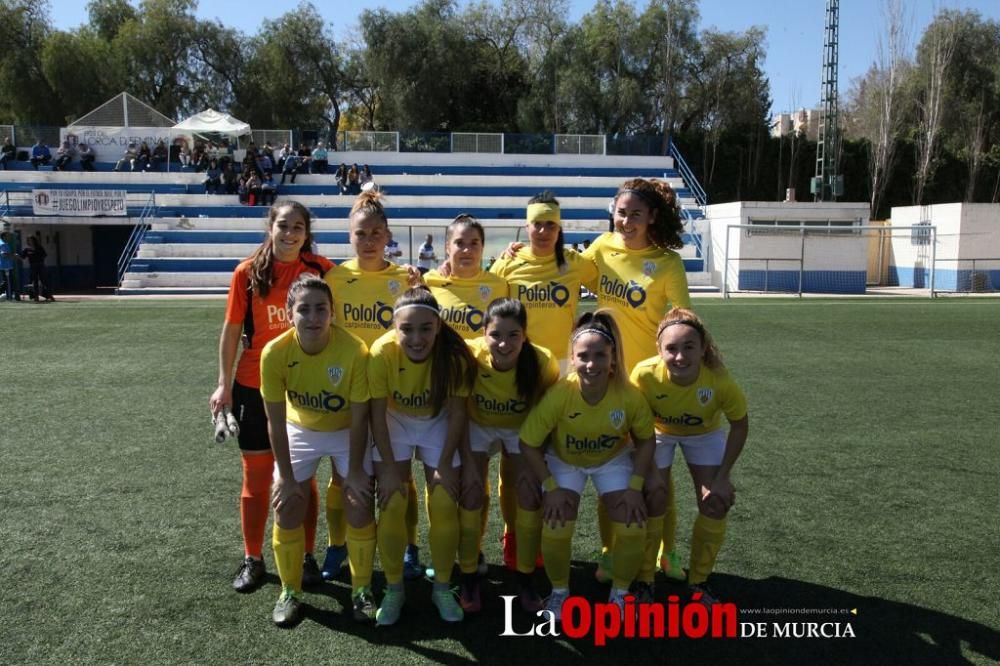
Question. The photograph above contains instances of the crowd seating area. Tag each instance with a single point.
(191, 241)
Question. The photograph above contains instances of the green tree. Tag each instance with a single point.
(25, 95)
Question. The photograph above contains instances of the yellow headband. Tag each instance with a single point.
(543, 212)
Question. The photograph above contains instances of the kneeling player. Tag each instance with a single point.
(689, 389)
(591, 415)
(315, 390)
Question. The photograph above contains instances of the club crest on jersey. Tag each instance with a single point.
(335, 374)
(648, 268)
(617, 418)
(704, 396)
(394, 287)
(485, 292)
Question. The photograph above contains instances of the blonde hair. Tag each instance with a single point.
(711, 357)
(369, 204)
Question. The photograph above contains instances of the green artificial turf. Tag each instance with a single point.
(868, 483)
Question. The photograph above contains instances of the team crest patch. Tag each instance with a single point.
(617, 418)
(704, 396)
(485, 292)
(335, 374)
(648, 268)
(394, 287)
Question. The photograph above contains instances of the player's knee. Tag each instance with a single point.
(291, 514)
(656, 499)
(713, 508)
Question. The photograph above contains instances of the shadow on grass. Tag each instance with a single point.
(885, 631)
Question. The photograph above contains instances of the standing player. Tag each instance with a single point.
(594, 417)
(420, 375)
(365, 288)
(256, 313)
(689, 390)
(315, 389)
(512, 375)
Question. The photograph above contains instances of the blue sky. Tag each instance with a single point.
(794, 28)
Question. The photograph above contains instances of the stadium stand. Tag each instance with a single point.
(186, 241)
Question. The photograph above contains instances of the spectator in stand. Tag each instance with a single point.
(250, 159)
(268, 150)
(392, 251)
(354, 181)
(8, 152)
(213, 152)
(35, 254)
(253, 188)
(341, 177)
(128, 158)
(142, 158)
(305, 158)
(366, 176)
(426, 259)
(159, 155)
(184, 156)
(7, 265)
(282, 156)
(213, 178)
(40, 154)
(291, 166)
(264, 163)
(87, 156)
(64, 156)
(319, 158)
(268, 190)
(198, 157)
(230, 181)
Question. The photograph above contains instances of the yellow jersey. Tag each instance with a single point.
(587, 435)
(549, 296)
(463, 301)
(494, 400)
(689, 410)
(639, 287)
(318, 389)
(363, 300)
(406, 385)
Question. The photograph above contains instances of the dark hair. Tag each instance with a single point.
(666, 227)
(682, 316)
(549, 198)
(452, 364)
(305, 282)
(527, 372)
(465, 220)
(262, 259)
(603, 323)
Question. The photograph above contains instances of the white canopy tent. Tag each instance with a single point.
(211, 120)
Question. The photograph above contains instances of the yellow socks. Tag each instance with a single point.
(391, 537)
(528, 531)
(444, 533)
(557, 547)
(361, 554)
(336, 524)
(289, 549)
(412, 511)
(626, 557)
(706, 540)
(651, 547)
(484, 515)
(470, 529)
(670, 517)
(507, 489)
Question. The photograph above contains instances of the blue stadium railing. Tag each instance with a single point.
(136, 237)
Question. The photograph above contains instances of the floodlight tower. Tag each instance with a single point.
(828, 185)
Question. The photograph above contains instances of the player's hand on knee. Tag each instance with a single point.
(557, 507)
(633, 506)
(286, 495)
(389, 483)
(358, 487)
(449, 478)
(529, 490)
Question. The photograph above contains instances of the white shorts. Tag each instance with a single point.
(707, 449)
(610, 477)
(423, 435)
(307, 448)
(489, 439)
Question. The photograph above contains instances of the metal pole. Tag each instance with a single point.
(725, 266)
(934, 257)
(410, 229)
(802, 257)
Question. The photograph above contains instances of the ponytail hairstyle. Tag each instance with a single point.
(452, 364)
(369, 204)
(547, 197)
(603, 324)
(465, 220)
(666, 228)
(682, 316)
(303, 283)
(262, 259)
(528, 370)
